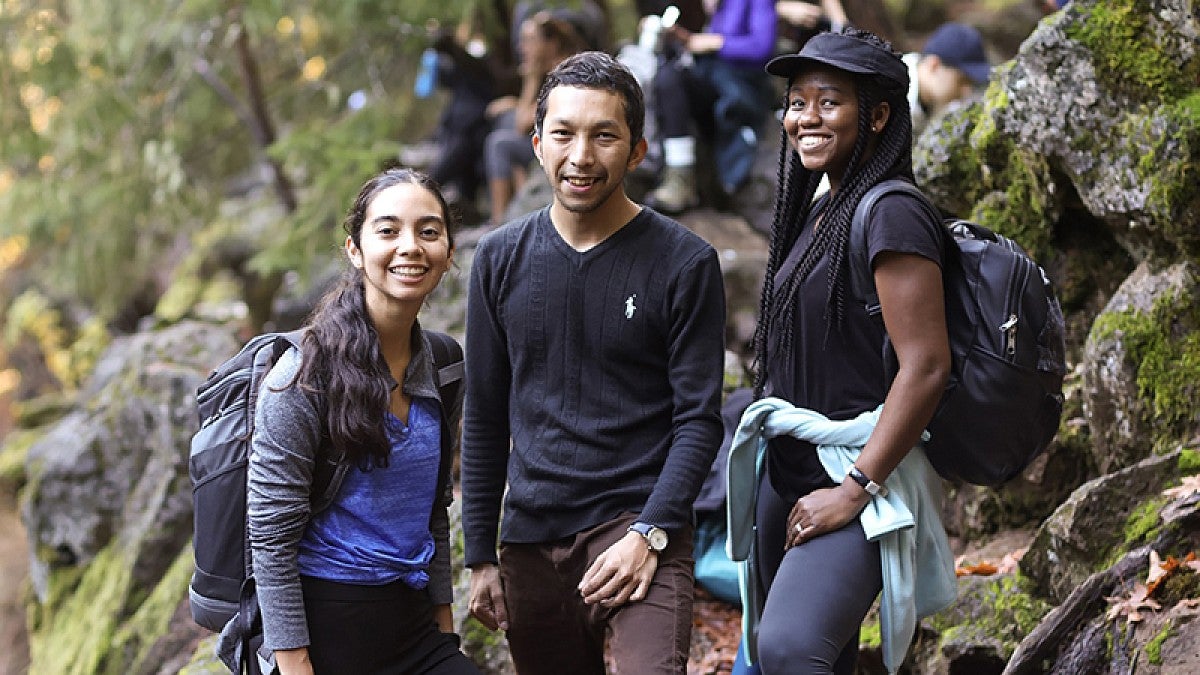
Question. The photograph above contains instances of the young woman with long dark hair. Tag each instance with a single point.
(363, 585)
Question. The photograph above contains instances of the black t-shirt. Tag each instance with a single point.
(841, 375)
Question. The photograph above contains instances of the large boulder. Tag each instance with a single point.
(107, 507)
(1142, 366)
(1100, 106)
(1105, 515)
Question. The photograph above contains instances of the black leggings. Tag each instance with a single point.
(377, 630)
(817, 593)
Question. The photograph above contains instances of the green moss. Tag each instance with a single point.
(204, 662)
(1013, 600)
(1154, 646)
(73, 630)
(12, 458)
(1189, 461)
(1018, 206)
(1123, 40)
(870, 635)
(1141, 525)
(1172, 170)
(135, 637)
(1005, 610)
(1182, 584)
(1165, 343)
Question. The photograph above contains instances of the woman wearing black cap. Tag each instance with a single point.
(818, 348)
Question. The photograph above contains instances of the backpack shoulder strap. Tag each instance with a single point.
(862, 281)
(447, 363)
(448, 374)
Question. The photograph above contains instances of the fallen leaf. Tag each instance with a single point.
(1131, 608)
(1187, 486)
(1157, 571)
(982, 569)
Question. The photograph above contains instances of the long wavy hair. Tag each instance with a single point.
(892, 157)
(343, 362)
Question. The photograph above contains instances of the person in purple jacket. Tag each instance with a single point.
(715, 88)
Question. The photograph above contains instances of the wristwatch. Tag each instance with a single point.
(872, 488)
(656, 537)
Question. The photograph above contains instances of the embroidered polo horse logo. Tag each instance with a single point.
(629, 307)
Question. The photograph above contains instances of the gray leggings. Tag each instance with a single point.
(506, 149)
(817, 593)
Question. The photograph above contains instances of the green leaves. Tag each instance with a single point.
(132, 123)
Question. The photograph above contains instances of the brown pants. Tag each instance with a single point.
(551, 630)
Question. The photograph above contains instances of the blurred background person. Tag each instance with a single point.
(952, 66)
(715, 88)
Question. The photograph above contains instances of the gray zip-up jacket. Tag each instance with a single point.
(288, 434)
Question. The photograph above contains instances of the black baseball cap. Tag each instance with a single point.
(844, 52)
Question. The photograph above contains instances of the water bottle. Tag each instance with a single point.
(427, 74)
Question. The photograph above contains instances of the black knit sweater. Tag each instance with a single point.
(602, 368)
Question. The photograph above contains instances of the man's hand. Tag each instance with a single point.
(622, 573)
(798, 13)
(487, 597)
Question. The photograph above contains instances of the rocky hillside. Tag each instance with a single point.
(1085, 148)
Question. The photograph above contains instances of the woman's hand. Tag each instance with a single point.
(824, 510)
(293, 661)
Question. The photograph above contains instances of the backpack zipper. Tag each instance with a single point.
(239, 374)
(236, 405)
(1019, 277)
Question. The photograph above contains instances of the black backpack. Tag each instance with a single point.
(220, 449)
(1003, 402)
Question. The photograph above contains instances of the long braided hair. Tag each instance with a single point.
(892, 157)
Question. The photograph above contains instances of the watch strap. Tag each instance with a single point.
(874, 489)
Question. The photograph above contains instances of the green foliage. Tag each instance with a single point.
(131, 120)
(870, 635)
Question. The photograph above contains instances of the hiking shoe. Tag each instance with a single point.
(677, 191)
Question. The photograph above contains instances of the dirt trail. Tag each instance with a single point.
(14, 568)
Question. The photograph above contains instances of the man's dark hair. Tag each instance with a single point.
(597, 70)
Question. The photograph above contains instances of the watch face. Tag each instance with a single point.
(657, 538)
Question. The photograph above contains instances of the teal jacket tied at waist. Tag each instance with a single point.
(918, 567)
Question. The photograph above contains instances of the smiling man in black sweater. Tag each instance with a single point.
(594, 366)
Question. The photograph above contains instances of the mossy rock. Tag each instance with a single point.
(1099, 112)
(1099, 521)
(980, 631)
(1142, 366)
